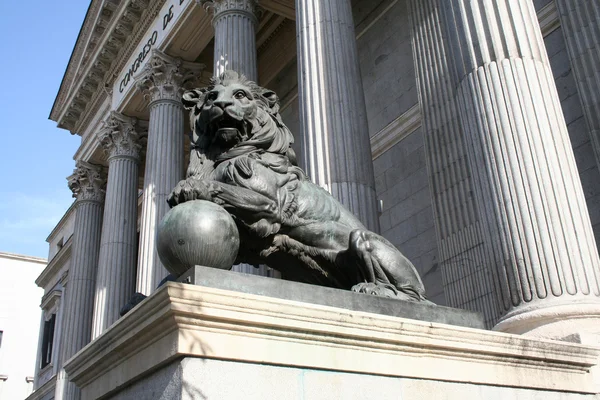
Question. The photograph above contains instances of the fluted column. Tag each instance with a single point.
(580, 22)
(336, 150)
(466, 272)
(534, 214)
(235, 24)
(88, 186)
(115, 283)
(163, 80)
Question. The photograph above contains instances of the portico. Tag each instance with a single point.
(505, 209)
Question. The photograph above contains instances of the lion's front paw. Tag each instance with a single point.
(187, 190)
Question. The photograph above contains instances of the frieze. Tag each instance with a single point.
(153, 40)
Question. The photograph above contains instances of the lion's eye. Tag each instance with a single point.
(212, 96)
(239, 94)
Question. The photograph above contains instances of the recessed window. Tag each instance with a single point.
(48, 341)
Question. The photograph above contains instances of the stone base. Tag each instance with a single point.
(554, 320)
(194, 342)
(312, 294)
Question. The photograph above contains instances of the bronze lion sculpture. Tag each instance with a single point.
(242, 159)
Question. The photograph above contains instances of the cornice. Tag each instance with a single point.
(76, 56)
(548, 18)
(61, 223)
(55, 265)
(395, 131)
(48, 387)
(21, 257)
(106, 59)
(51, 300)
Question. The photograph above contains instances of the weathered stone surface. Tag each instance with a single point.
(226, 343)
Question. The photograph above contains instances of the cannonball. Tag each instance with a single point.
(197, 232)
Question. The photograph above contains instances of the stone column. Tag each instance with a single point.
(336, 150)
(535, 220)
(235, 24)
(88, 185)
(580, 22)
(466, 271)
(115, 283)
(163, 81)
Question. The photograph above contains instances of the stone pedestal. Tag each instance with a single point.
(88, 186)
(163, 80)
(193, 342)
(118, 247)
(235, 24)
(538, 232)
(336, 150)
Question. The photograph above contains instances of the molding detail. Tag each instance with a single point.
(88, 182)
(165, 77)
(395, 131)
(548, 18)
(110, 51)
(120, 136)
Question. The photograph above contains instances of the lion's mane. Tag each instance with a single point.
(269, 133)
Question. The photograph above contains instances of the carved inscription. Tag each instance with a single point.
(167, 18)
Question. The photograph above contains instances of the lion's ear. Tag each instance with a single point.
(271, 98)
(193, 97)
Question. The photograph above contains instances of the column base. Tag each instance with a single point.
(559, 320)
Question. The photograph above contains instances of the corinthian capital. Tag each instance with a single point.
(166, 78)
(220, 7)
(88, 181)
(120, 136)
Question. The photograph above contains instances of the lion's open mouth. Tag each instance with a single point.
(228, 129)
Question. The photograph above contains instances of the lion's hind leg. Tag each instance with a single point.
(386, 272)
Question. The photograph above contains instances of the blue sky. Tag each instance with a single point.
(36, 40)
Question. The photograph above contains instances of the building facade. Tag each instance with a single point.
(20, 323)
(466, 133)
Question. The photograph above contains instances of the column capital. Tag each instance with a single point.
(121, 136)
(165, 77)
(221, 7)
(88, 182)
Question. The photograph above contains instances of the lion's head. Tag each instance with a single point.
(233, 116)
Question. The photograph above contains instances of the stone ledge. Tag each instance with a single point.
(312, 294)
(182, 320)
